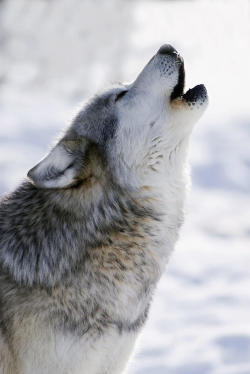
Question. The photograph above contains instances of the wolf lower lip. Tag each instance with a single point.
(179, 88)
(196, 93)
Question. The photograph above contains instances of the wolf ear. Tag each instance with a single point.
(58, 169)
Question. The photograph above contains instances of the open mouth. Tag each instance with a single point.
(197, 93)
(179, 88)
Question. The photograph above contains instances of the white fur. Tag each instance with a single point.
(65, 354)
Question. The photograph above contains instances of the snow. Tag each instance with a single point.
(55, 54)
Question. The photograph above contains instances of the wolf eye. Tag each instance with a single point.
(120, 95)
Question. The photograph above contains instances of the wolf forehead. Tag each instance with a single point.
(98, 119)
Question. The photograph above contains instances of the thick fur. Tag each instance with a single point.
(84, 241)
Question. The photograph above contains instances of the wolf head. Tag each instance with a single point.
(128, 133)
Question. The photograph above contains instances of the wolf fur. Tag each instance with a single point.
(84, 240)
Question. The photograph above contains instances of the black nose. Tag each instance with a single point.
(167, 49)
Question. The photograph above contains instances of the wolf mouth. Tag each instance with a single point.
(197, 93)
(179, 88)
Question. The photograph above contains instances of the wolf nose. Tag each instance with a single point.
(167, 49)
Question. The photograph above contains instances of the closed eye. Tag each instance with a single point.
(120, 95)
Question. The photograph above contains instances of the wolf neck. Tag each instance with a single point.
(167, 175)
(167, 184)
(44, 234)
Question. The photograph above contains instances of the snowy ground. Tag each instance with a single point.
(54, 54)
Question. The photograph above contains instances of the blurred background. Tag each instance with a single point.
(54, 54)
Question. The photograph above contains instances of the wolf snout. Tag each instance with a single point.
(167, 49)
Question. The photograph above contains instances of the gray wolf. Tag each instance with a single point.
(84, 240)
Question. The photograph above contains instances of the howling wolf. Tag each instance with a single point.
(85, 239)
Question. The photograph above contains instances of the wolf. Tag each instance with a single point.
(85, 238)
